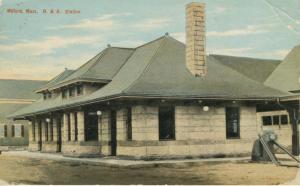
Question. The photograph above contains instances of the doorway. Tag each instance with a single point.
(59, 140)
(39, 136)
(113, 133)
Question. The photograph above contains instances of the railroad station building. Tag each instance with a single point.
(164, 99)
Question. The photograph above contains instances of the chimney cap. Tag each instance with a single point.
(196, 4)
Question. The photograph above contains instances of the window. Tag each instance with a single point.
(22, 131)
(166, 123)
(64, 93)
(79, 89)
(49, 95)
(232, 122)
(51, 130)
(267, 120)
(76, 126)
(128, 124)
(12, 131)
(46, 131)
(33, 131)
(276, 120)
(5, 131)
(72, 91)
(69, 127)
(17, 131)
(91, 126)
(45, 96)
(284, 119)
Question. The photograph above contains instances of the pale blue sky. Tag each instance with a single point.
(39, 46)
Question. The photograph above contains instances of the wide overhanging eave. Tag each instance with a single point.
(137, 96)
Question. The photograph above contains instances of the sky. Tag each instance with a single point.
(41, 45)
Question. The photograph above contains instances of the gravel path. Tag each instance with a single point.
(41, 169)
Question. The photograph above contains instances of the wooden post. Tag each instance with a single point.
(294, 118)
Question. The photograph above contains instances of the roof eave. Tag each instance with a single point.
(77, 80)
(119, 96)
(290, 98)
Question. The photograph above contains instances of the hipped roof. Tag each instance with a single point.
(290, 70)
(100, 68)
(157, 69)
(57, 79)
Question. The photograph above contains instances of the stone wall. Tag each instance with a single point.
(33, 146)
(49, 146)
(104, 133)
(195, 39)
(198, 133)
(81, 149)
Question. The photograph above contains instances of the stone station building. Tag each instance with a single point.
(143, 102)
(161, 99)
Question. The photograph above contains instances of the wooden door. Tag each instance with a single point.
(59, 137)
(39, 136)
(113, 132)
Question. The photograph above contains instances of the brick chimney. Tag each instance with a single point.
(195, 39)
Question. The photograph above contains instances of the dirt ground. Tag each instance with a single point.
(14, 169)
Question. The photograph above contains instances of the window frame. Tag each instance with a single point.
(72, 91)
(5, 131)
(128, 123)
(45, 96)
(49, 95)
(68, 127)
(272, 120)
(228, 124)
(79, 90)
(64, 93)
(22, 131)
(46, 131)
(75, 126)
(12, 131)
(276, 121)
(172, 123)
(287, 119)
(33, 131)
(91, 128)
(51, 138)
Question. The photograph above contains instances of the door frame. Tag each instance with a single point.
(40, 136)
(113, 133)
(59, 137)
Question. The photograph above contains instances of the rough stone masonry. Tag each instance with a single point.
(195, 39)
